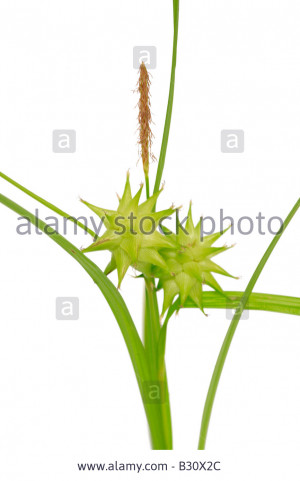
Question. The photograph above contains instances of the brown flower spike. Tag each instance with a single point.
(144, 117)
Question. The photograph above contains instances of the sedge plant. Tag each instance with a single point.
(182, 264)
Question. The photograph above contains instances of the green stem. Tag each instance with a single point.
(151, 326)
(147, 187)
(232, 328)
(152, 318)
(161, 346)
(151, 334)
(166, 132)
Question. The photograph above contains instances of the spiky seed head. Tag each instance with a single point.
(132, 234)
(189, 265)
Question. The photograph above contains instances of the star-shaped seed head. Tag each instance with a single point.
(132, 234)
(189, 264)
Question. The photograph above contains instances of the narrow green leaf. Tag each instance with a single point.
(48, 204)
(256, 301)
(232, 328)
(165, 138)
(114, 299)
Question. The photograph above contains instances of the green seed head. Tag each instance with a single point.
(132, 233)
(189, 265)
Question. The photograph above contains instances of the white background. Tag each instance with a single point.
(67, 389)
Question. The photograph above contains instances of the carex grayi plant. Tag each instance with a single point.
(183, 264)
